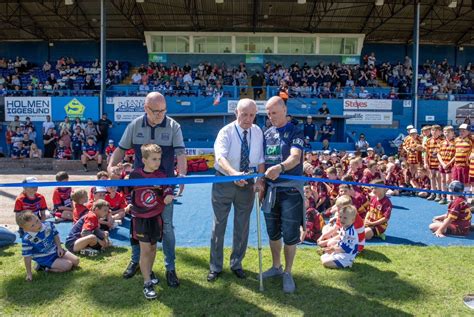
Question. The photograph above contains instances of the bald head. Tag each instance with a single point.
(276, 111)
(154, 98)
(155, 108)
(245, 112)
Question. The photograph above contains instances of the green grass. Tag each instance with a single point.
(384, 281)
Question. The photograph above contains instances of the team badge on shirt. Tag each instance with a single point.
(148, 197)
(165, 136)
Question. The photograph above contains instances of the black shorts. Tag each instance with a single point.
(147, 229)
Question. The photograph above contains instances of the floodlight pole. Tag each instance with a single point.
(102, 57)
(416, 53)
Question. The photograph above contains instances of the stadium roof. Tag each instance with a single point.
(442, 21)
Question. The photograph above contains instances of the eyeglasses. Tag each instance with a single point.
(157, 111)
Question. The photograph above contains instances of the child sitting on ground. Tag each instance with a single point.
(40, 243)
(86, 232)
(62, 199)
(79, 197)
(380, 209)
(117, 203)
(458, 219)
(31, 200)
(344, 253)
(106, 223)
(314, 225)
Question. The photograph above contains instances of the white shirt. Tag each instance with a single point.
(47, 125)
(228, 145)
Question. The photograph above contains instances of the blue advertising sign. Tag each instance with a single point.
(82, 107)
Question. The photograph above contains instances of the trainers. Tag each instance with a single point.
(86, 170)
(288, 283)
(39, 268)
(172, 279)
(438, 198)
(431, 197)
(272, 272)
(131, 269)
(382, 236)
(89, 252)
(149, 291)
(443, 201)
(155, 280)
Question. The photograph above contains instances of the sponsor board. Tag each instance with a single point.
(37, 108)
(232, 105)
(367, 104)
(367, 117)
(127, 109)
(75, 107)
(199, 151)
(458, 111)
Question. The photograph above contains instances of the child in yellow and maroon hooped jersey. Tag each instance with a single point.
(463, 149)
(446, 159)
(432, 146)
(457, 220)
(413, 148)
(379, 213)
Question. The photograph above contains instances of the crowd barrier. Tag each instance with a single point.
(212, 179)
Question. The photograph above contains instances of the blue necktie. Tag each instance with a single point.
(244, 154)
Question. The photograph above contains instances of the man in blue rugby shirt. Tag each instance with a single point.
(283, 205)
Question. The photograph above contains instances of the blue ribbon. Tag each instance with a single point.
(211, 179)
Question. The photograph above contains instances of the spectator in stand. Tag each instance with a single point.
(90, 130)
(257, 83)
(47, 124)
(66, 124)
(362, 145)
(46, 67)
(309, 129)
(327, 130)
(63, 152)
(35, 152)
(19, 152)
(50, 143)
(324, 110)
(136, 78)
(109, 150)
(77, 142)
(371, 60)
(103, 126)
(143, 89)
(78, 122)
(91, 153)
(363, 93)
(88, 83)
(15, 123)
(379, 150)
(65, 136)
(27, 142)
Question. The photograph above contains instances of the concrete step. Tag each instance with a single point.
(44, 164)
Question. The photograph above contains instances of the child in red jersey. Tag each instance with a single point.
(314, 226)
(86, 233)
(107, 223)
(129, 156)
(109, 150)
(380, 210)
(62, 199)
(446, 159)
(458, 219)
(79, 197)
(117, 203)
(31, 200)
(148, 202)
(421, 181)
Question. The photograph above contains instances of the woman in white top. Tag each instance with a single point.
(35, 152)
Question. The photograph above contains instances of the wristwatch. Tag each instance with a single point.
(282, 167)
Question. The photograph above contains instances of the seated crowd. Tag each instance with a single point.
(66, 75)
(78, 140)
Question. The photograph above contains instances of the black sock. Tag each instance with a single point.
(85, 165)
(99, 165)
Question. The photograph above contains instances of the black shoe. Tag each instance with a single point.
(171, 279)
(155, 280)
(149, 291)
(131, 269)
(212, 276)
(239, 273)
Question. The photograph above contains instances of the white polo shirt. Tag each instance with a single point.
(229, 142)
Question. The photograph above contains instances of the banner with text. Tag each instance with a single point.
(127, 109)
(459, 111)
(37, 108)
(232, 105)
(367, 117)
(367, 104)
